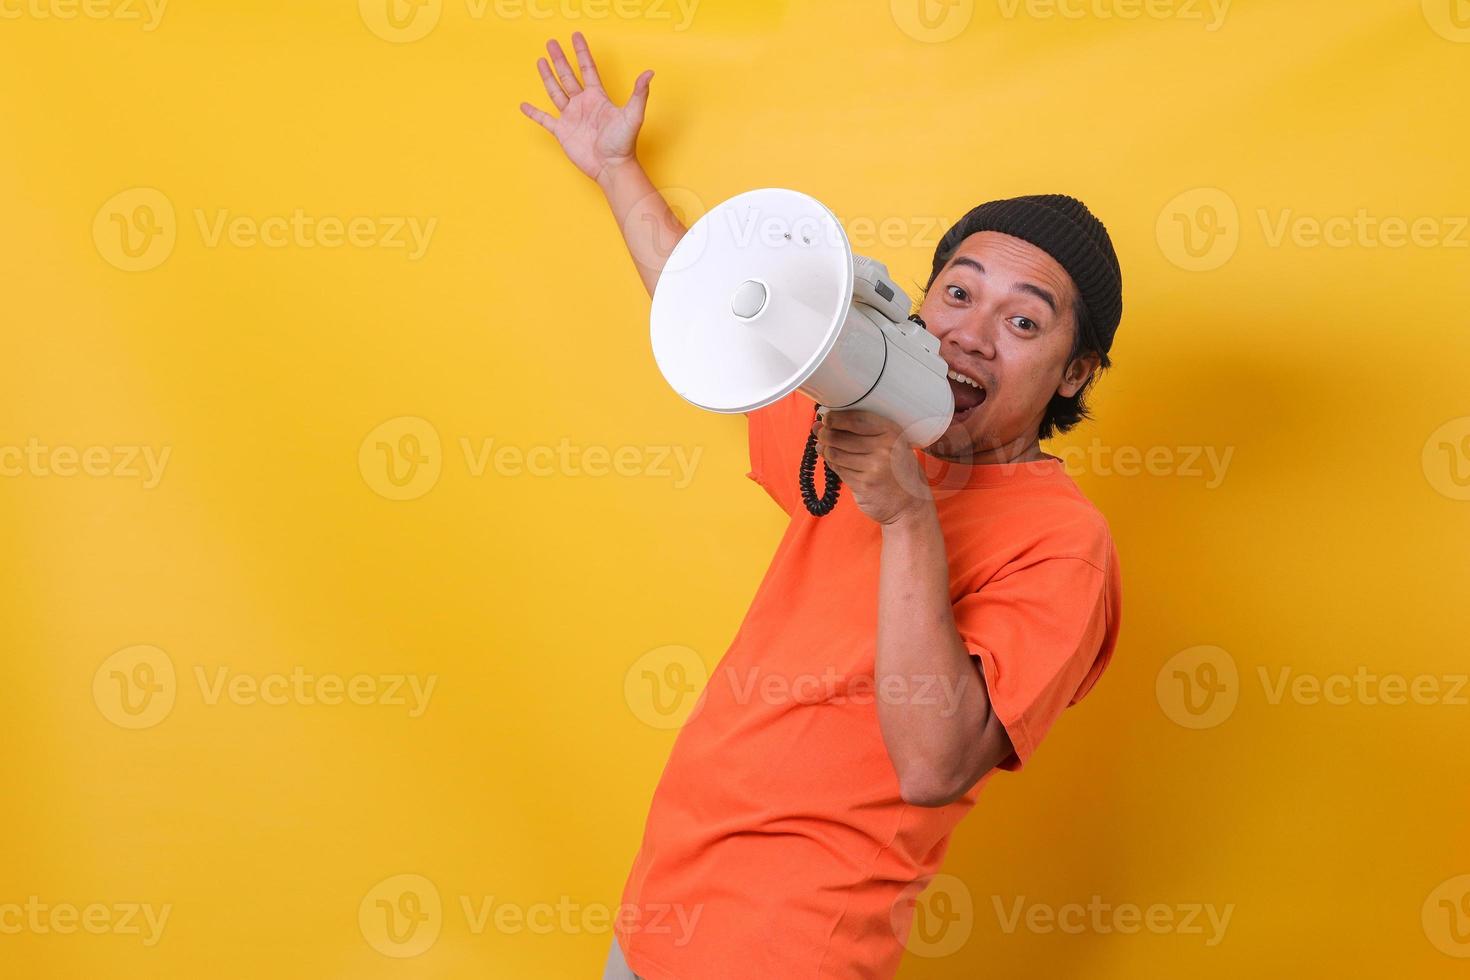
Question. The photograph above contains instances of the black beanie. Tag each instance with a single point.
(1062, 227)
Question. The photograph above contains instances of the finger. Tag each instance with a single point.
(563, 69)
(829, 453)
(585, 62)
(553, 87)
(856, 420)
(638, 101)
(545, 119)
(851, 442)
(848, 465)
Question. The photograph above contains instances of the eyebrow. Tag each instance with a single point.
(1023, 287)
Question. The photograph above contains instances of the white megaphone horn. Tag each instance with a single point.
(763, 296)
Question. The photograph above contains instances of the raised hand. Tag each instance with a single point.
(594, 133)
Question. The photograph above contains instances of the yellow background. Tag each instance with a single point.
(1336, 539)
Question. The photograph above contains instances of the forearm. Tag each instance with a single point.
(937, 702)
(650, 228)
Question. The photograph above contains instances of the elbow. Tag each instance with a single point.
(926, 789)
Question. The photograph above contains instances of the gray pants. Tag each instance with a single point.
(617, 967)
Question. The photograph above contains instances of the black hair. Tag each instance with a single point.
(1064, 412)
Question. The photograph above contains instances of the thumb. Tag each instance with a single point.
(638, 101)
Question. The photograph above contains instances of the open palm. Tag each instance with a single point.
(593, 132)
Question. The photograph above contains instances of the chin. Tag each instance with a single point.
(961, 439)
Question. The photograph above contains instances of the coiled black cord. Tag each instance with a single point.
(817, 507)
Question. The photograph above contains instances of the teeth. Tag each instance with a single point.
(963, 379)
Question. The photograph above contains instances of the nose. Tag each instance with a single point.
(973, 332)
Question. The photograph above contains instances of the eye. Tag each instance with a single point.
(1025, 323)
(952, 289)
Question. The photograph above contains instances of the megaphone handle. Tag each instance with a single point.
(806, 478)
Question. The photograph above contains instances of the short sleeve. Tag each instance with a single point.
(777, 435)
(1043, 633)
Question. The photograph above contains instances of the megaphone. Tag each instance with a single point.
(763, 296)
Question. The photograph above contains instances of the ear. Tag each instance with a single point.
(1077, 374)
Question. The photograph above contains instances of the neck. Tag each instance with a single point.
(1018, 451)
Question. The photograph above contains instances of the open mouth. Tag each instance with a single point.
(969, 395)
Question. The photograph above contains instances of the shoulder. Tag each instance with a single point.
(1064, 523)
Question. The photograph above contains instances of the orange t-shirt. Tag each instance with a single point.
(777, 842)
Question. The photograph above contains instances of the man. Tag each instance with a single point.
(899, 650)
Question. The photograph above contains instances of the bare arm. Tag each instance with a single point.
(941, 734)
(601, 140)
(934, 709)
